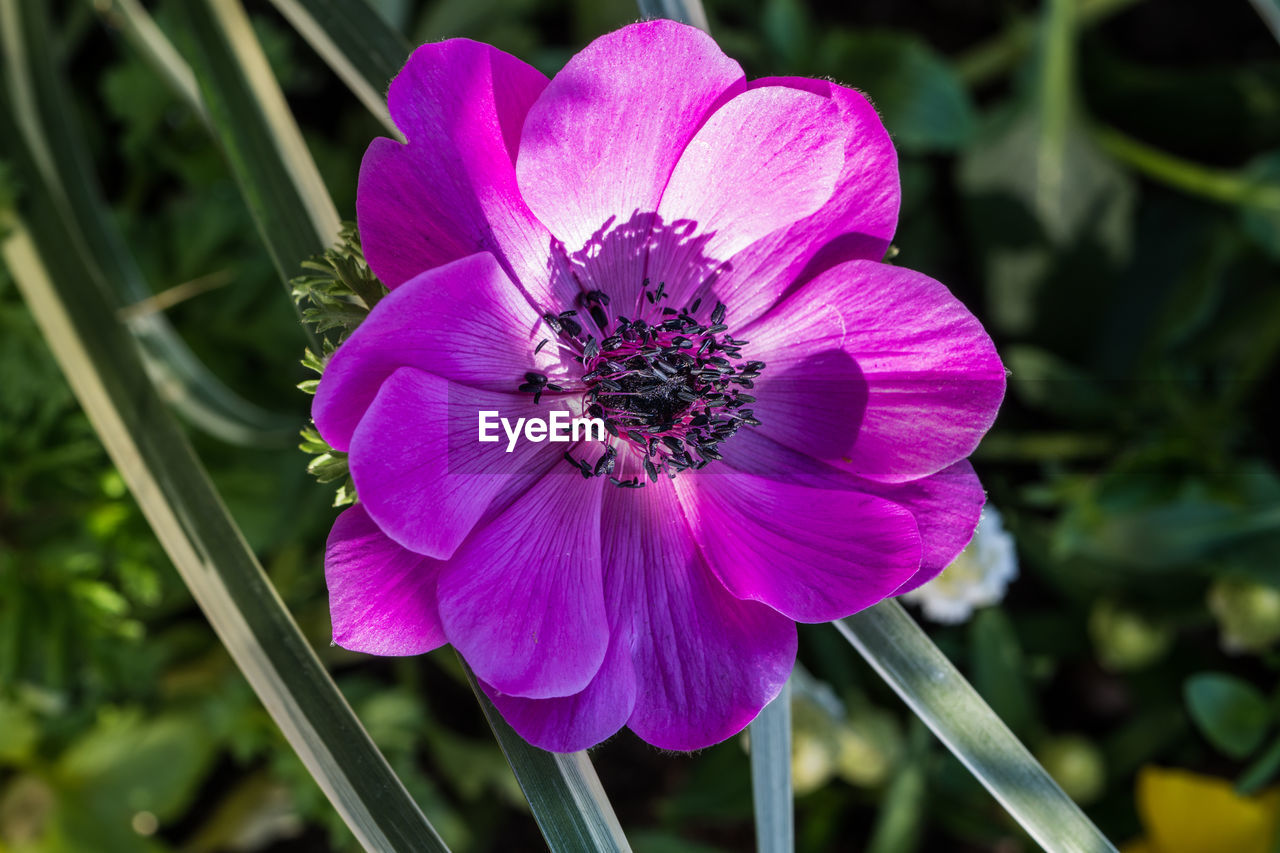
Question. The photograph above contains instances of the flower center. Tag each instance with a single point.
(671, 387)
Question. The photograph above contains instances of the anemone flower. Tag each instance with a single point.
(653, 245)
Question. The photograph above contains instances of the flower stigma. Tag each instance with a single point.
(670, 388)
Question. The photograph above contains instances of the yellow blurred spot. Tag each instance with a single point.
(810, 763)
(1184, 812)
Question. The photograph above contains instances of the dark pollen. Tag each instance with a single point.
(671, 387)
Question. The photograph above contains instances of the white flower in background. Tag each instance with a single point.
(978, 577)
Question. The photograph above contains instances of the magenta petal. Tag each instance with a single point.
(571, 723)
(451, 191)
(418, 466)
(523, 599)
(931, 381)
(382, 598)
(857, 221)
(764, 160)
(465, 322)
(945, 505)
(602, 139)
(705, 662)
(811, 554)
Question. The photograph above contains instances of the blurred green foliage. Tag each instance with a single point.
(1098, 179)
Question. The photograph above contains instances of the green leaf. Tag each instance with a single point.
(174, 492)
(912, 665)
(263, 145)
(1058, 174)
(686, 11)
(1263, 769)
(1045, 381)
(922, 101)
(131, 17)
(1269, 11)
(61, 166)
(18, 733)
(1041, 186)
(1160, 532)
(788, 29)
(356, 43)
(563, 790)
(901, 819)
(999, 673)
(1261, 220)
(1229, 712)
(128, 764)
(771, 776)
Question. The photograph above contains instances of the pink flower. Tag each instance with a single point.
(693, 258)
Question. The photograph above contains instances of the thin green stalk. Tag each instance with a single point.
(1269, 11)
(685, 11)
(233, 23)
(356, 43)
(771, 776)
(1000, 54)
(563, 791)
(1222, 185)
(62, 166)
(901, 818)
(1055, 101)
(174, 492)
(905, 657)
(263, 145)
(131, 18)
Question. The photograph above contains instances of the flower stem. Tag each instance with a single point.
(771, 775)
(904, 656)
(1223, 185)
(996, 56)
(684, 11)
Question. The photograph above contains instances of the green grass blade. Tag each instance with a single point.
(563, 791)
(771, 776)
(175, 494)
(934, 690)
(131, 18)
(264, 147)
(45, 117)
(685, 11)
(1269, 11)
(360, 47)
